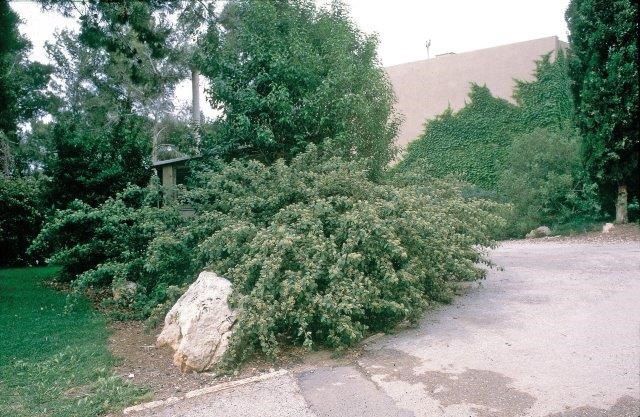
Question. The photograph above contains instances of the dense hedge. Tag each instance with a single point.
(526, 154)
(318, 253)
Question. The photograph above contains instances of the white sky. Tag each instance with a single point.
(403, 26)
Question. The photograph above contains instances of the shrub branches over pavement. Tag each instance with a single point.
(317, 252)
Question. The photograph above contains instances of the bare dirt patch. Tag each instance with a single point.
(147, 365)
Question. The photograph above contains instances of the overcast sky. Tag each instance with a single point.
(403, 26)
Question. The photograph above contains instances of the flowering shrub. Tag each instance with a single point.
(318, 254)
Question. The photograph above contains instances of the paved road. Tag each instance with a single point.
(556, 333)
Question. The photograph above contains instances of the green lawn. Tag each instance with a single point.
(54, 361)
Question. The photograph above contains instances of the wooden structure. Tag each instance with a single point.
(173, 172)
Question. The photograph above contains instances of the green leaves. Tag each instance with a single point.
(96, 159)
(23, 89)
(318, 253)
(604, 71)
(527, 154)
(21, 215)
(544, 180)
(470, 144)
(287, 74)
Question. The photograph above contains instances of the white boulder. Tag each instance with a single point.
(541, 231)
(199, 325)
(607, 227)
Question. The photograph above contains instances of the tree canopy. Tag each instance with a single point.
(22, 85)
(286, 74)
(604, 70)
(115, 79)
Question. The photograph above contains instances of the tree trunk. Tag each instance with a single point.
(195, 104)
(5, 155)
(621, 205)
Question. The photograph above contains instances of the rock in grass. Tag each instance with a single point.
(541, 231)
(198, 326)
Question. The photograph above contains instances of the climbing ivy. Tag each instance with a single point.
(547, 101)
(473, 143)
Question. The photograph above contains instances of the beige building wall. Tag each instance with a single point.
(424, 89)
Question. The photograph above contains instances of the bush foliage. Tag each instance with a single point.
(526, 154)
(289, 73)
(108, 245)
(21, 215)
(544, 181)
(471, 143)
(317, 252)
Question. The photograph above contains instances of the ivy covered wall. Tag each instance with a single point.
(473, 142)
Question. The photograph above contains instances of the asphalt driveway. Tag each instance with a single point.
(555, 332)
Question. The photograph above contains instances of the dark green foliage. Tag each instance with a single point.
(115, 84)
(471, 143)
(81, 238)
(524, 154)
(133, 34)
(22, 83)
(21, 215)
(22, 86)
(318, 253)
(544, 180)
(546, 102)
(54, 361)
(287, 74)
(94, 161)
(604, 70)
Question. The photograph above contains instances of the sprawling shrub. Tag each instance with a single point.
(318, 254)
(115, 242)
(544, 181)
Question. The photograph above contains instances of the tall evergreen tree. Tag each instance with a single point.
(22, 85)
(604, 70)
(116, 79)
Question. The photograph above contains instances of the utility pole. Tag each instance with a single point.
(428, 45)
